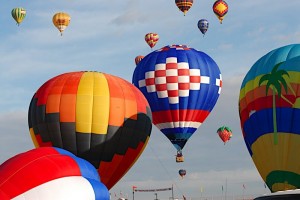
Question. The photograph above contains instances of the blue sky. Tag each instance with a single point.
(106, 36)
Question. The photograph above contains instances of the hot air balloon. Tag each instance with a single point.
(182, 172)
(184, 5)
(182, 86)
(99, 117)
(269, 109)
(225, 133)
(61, 20)
(203, 25)
(50, 173)
(220, 9)
(138, 59)
(151, 39)
(18, 14)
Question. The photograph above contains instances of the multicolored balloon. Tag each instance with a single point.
(182, 85)
(151, 39)
(184, 5)
(269, 108)
(225, 133)
(50, 173)
(182, 173)
(99, 117)
(61, 21)
(203, 26)
(220, 9)
(18, 14)
(138, 59)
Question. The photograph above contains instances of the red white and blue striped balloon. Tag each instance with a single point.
(182, 85)
(50, 173)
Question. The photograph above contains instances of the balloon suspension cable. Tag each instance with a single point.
(167, 172)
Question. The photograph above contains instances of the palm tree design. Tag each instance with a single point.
(274, 81)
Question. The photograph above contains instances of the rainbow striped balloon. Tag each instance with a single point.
(269, 107)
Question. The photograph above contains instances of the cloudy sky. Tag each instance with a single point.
(106, 36)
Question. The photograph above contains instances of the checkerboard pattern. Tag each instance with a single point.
(173, 80)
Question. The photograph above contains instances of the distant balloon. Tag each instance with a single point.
(138, 59)
(61, 21)
(269, 109)
(151, 39)
(203, 25)
(225, 133)
(220, 9)
(50, 173)
(18, 14)
(182, 172)
(99, 117)
(182, 85)
(184, 5)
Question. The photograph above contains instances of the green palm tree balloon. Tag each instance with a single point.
(274, 81)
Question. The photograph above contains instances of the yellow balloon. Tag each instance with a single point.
(61, 20)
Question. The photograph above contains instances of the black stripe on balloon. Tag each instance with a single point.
(116, 141)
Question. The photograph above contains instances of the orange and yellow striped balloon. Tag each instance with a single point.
(98, 117)
(61, 20)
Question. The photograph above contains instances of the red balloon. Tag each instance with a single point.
(225, 133)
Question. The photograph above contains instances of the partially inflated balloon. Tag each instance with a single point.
(182, 86)
(18, 14)
(151, 39)
(269, 107)
(50, 173)
(184, 5)
(99, 117)
(61, 21)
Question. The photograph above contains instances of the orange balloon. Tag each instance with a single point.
(138, 59)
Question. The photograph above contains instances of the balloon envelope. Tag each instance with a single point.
(151, 39)
(269, 108)
(220, 9)
(203, 25)
(182, 86)
(18, 14)
(182, 172)
(184, 5)
(99, 117)
(224, 133)
(61, 21)
(138, 59)
(50, 173)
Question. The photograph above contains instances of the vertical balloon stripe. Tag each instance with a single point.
(130, 103)
(100, 104)
(117, 102)
(84, 103)
(67, 107)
